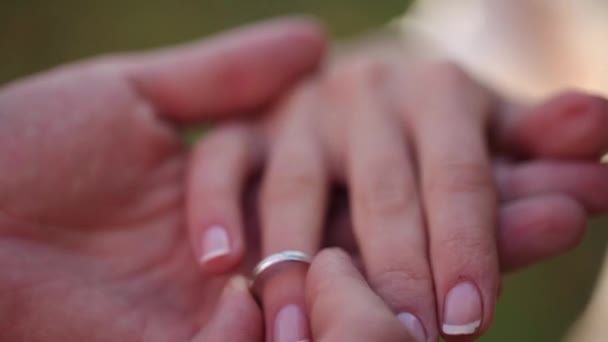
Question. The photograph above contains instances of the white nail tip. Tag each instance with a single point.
(214, 254)
(215, 244)
(464, 329)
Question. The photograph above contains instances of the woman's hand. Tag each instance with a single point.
(343, 307)
(340, 303)
(93, 245)
(411, 147)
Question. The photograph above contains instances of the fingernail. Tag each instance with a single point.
(215, 243)
(462, 311)
(413, 326)
(291, 325)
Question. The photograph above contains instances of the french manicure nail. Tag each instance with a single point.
(462, 312)
(413, 326)
(291, 325)
(215, 243)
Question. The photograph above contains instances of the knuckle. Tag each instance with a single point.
(448, 82)
(461, 244)
(361, 66)
(386, 194)
(395, 284)
(393, 276)
(459, 238)
(447, 73)
(355, 71)
(463, 177)
(288, 183)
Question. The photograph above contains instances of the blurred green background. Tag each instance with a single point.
(538, 304)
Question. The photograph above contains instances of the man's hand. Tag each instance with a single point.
(341, 305)
(92, 242)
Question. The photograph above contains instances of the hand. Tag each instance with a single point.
(350, 128)
(92, 240)
(343, 307)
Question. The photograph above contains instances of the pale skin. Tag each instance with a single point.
(423, 226)
(93, 245)
(93, 227)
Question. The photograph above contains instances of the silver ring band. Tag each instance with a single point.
(274, 260)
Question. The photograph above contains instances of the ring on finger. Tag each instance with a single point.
(272, 261)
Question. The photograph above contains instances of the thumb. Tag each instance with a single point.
(236, 71)
(342, 306)
(237, 317)
(571, 125)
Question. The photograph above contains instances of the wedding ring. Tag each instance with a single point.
(274, 260)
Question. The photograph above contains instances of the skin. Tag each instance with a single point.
(351, 128)
(93, 238)
(344, 307)
(93, 243)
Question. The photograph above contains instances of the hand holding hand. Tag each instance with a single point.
(426, 188)
(93, 244)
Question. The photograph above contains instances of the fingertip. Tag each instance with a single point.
(301, 43)
(344, 308)
(332, 271)
(332, 255)
(219, 167)
(221, 265)
(538, 228)
(330, 261)
(325, 265)
(307, 31)
(221, 251)
(238, 284)
(463, 311)
(232, 73)
(237, 317)
(565, 221)
(571, 125)
(236, 299)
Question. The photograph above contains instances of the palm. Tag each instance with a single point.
(91, 228)
(92, 238)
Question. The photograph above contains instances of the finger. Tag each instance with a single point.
(572, 125)
(585, 182)
(459, 197)
(386, 212)
(294, 197)
(237, 318)
(342, 307)
(220, 166)
(236, 71)
(530, 230)
(537, 228)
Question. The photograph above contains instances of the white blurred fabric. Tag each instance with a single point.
(529, 48)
